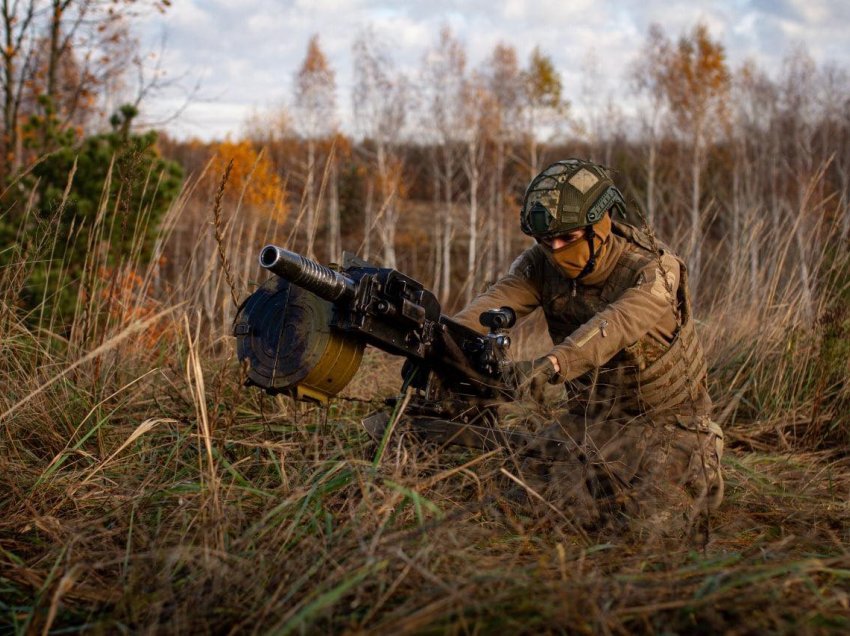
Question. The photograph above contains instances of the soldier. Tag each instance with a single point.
(617, 307)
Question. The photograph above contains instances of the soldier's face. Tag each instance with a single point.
(562, 240)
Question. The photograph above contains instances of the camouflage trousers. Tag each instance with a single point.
(661, 469)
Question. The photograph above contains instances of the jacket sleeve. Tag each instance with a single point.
(649, 305)
(517, 290)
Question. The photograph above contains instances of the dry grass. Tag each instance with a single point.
(142, 488)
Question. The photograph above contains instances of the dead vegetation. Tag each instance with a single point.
(142, 488)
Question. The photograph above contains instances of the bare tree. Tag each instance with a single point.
(315, 118)
(16, 20)
(647, 83)
(380, 100)
(339, 145)
(544, 103)
(696, 83)
(444, 79)
(797, 113)
(835, 135)
(754, 104)
(87, 47)
(479, 117)
(505, 84)
(59, 58)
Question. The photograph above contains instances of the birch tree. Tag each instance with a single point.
(315, 119)
(380, 101)
(753, 205)
(696, 82)
(797, 113)
(505, 84)
(835, 134)
(647, 75)
(444, 80)
(545, 106)
(479, 117)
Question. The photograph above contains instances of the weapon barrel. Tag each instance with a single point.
(306, 273)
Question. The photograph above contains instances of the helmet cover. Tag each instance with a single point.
(567, 195)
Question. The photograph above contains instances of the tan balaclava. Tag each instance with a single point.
(573, 259)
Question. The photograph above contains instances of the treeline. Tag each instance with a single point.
(427, 173)
(721, 161)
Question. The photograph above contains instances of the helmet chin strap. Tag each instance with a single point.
(591, 262)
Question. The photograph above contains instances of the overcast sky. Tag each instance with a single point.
(245, 52)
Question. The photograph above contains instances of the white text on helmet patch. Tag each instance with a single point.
(583, 180)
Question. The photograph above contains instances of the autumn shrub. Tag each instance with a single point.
(104, 195)
(252, 180)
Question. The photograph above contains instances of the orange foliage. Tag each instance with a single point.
(125, 301)
(543, 82)
(696, 79)
(252, 173)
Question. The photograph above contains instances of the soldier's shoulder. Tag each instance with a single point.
(528, 264)
(633, 235)
(642, 245)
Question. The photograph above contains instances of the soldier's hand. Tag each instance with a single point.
(529, 377)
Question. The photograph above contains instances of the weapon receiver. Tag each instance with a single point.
(304, 330)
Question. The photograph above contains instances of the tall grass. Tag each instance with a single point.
(781, 355)
(143, 488)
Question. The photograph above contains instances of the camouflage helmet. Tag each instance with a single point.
(567, 195)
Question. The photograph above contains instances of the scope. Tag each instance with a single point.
(498, 319)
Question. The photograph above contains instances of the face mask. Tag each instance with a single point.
(574, 257)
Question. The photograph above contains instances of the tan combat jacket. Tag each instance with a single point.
(623, 335)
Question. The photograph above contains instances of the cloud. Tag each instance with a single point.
(249, 51)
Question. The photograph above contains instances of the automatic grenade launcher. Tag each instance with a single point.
(304, 330)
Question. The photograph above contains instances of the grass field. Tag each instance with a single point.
(144, 489)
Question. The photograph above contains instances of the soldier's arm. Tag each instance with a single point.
(646, 306)
(517, 289)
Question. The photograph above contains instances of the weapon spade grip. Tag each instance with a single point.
(306, 273)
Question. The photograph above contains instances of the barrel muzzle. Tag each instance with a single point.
(304, 272)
